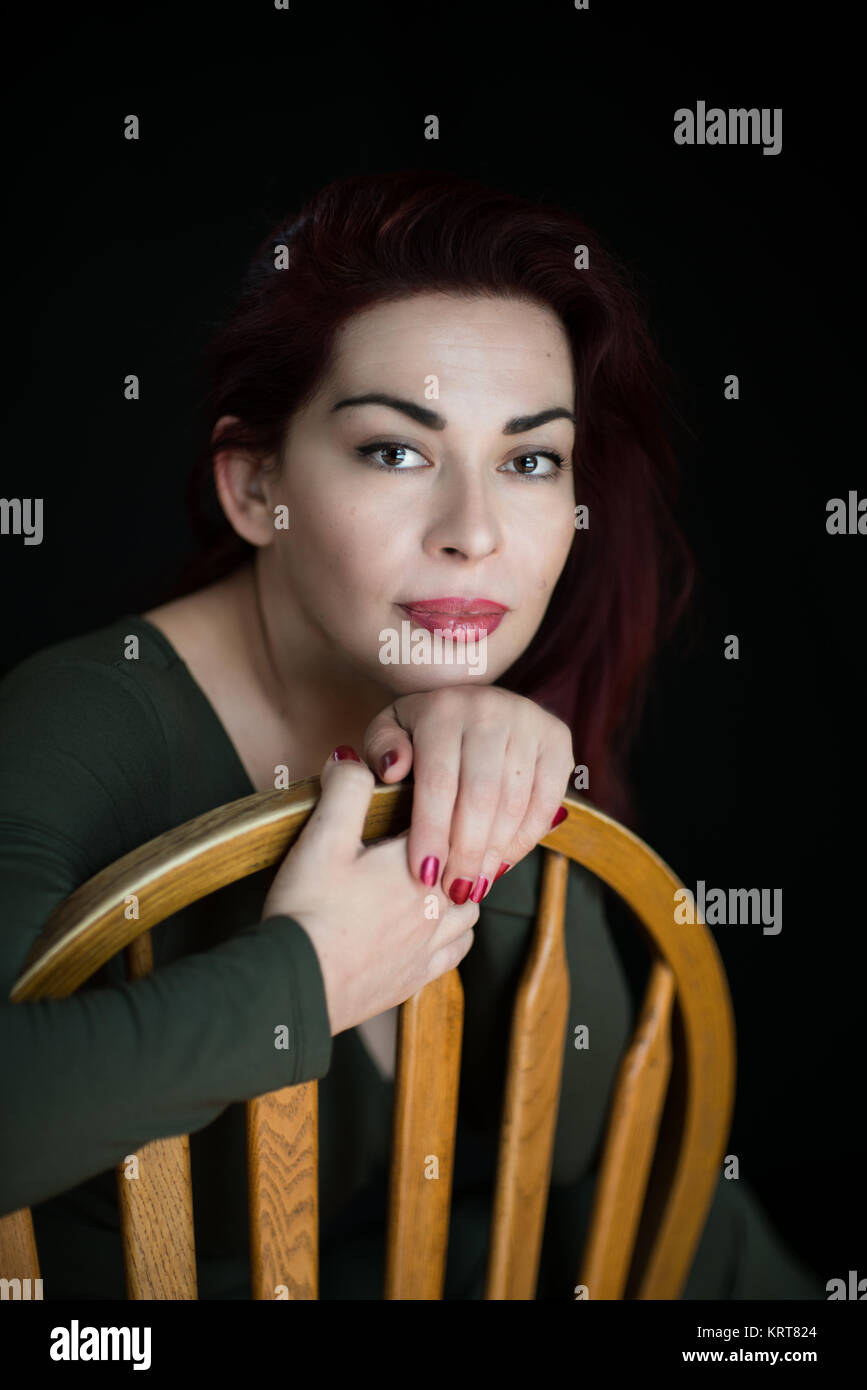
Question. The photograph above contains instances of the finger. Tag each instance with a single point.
(550, 785)
(455, 921)
(516, 790)
(449, 957)
(483, 755)
(436, 777)
(388, 747)
(336, 824)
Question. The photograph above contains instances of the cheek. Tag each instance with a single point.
(354, 547)
(561, 542)
(542, 555)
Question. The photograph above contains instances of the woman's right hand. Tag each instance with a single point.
(376, 940)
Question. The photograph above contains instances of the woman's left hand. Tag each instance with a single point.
(490, 772)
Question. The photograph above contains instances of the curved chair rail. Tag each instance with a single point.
(652, 1198)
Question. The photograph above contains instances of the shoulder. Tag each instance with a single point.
(114, 670)
(83, 713)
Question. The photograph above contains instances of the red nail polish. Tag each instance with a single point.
(387, 760)
(343, 751)
(460, 889)
(429, 869)
(479, 891)
(560, 816)
(502, 869)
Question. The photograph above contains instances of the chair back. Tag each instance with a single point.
(668, 1121)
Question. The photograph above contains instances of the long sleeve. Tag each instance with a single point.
(88, 1079)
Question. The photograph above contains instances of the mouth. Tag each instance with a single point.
(472, 617)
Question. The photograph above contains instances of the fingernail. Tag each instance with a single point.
(479, 891)
(430, 867)
(460, 889)
(502, 869)
(560, 816)
(387, 760)
(342, 751)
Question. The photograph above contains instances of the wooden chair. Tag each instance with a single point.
(664, 1142)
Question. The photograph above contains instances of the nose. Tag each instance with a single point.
(464, 518)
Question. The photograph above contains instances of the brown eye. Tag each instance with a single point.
(384, 447)
(533, 472)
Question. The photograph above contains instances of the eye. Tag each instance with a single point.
(556, 459)
(382, 447)
(532, 474)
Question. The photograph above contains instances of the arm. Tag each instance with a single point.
(88, 1079)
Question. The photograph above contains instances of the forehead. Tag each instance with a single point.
(437, 331)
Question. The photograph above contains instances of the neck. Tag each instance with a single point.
(312, 689)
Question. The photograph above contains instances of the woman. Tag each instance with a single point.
(487, 348)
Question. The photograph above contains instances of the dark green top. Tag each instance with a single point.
(100, 753)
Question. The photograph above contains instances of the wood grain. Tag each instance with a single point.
(429, 1032)
(532, 1095)
(630, 1143)
(18, 1255)
(156, 1216)
(283, 1173)
(156, 1205)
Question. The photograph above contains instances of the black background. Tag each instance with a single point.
(120, 255)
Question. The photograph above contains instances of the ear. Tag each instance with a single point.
(244, 480)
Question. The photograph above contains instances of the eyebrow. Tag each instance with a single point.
(434, 421)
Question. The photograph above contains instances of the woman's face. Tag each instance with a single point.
(457, 499)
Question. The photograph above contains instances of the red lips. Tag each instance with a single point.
(461, 607)
(474, 617)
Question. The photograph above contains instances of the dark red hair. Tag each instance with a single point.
(370, 238)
